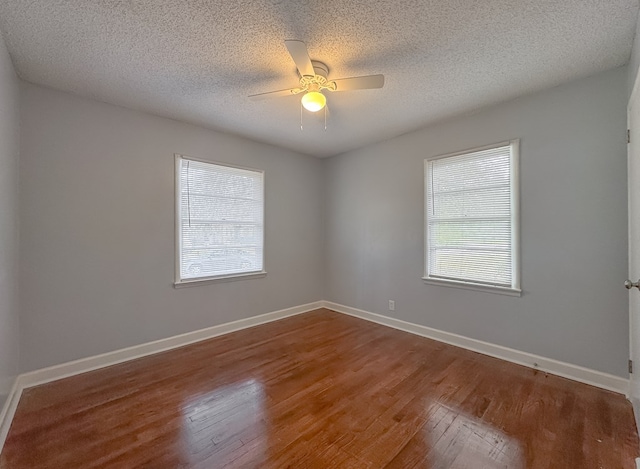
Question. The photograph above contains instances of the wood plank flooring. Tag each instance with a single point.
(320, 390)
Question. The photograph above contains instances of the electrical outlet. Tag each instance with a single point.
(392, 305)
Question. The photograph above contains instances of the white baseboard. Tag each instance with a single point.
(9, 409)
(64, 370)
(548, 365)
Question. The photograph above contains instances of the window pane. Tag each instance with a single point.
(212, 208)
(220, 220)
(477, 203)
(469, 217)
(491, 267)
(489, 234)
(471, 171)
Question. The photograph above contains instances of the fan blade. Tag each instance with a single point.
(300, 56)
(359, 83)
(274, 94)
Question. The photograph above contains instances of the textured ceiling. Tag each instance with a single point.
(197, 60)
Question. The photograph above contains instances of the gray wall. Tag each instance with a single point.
(9, 151)
(573, 221)
(97, 223)
(97, 214)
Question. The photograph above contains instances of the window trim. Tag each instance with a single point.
(515, 289)
(180, 282)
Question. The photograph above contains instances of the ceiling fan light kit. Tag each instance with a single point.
(314, 101)
(313, 79)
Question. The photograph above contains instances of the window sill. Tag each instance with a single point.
(223, 278)
(473, 286)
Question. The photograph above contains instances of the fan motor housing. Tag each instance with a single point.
(320, 68)
(318, 81)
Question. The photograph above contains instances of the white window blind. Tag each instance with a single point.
(220, 220)
(471, 214)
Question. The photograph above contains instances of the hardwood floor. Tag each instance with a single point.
(320, 390)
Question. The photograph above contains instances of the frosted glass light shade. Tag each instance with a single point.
(314, 101)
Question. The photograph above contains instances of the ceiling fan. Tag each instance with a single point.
(313, 80)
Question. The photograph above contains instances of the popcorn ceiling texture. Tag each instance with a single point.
(197, 60)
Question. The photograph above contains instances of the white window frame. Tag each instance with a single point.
(515, 289)
(179, 281)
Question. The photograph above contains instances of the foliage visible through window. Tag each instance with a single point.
(220, 220)
(471, 215)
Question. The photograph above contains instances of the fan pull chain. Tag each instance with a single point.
(301, 117)
(325, 118)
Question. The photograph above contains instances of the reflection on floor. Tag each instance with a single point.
(320, 390)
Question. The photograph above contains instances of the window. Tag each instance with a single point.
(220, 221)
(471, 212)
